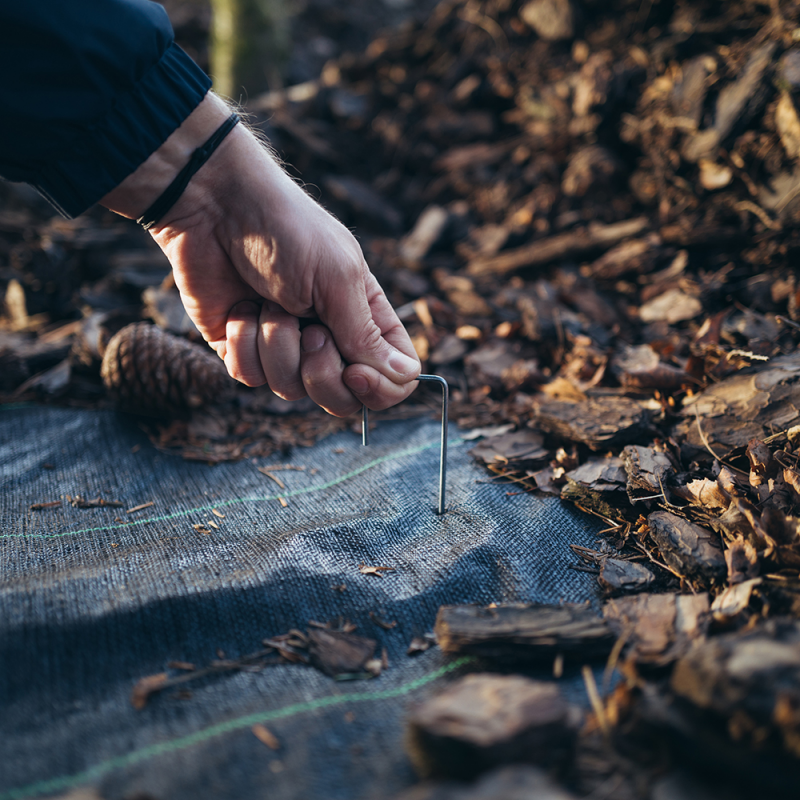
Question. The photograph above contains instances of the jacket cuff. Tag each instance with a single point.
(136, 125)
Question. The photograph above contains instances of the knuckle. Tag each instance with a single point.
(289, 392)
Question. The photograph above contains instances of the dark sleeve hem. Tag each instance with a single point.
(137, 124)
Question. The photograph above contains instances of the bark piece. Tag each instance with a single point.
(553, 20)
(563, 245)
(337, 653)
(788, 124)
(689, 549)
(672, 306)
(165, 308)
(363, 199)
(449, 350)
(22, 356)
(752, 403)
(592, 166)
(519, 631)
(762, 465)
(482, 721)
(538, 304)
(500, 363)
(690, 90)
(659, 627)
(517, 782)
(511, 448)
(636, 255)
(734, 600)
(599, 423)
(714, 176)
(742, 560)
(737, 103)
(582, 294)
(462, 296)
(749, 679)
(641, 367)
(426, 232)
(600, 474)
(594, 84)
(618, 575)
(647, 470)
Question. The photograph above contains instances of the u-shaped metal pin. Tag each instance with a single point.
(443, 449)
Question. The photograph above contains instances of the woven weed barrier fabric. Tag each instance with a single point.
(89, 605)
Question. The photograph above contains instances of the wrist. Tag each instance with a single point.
(141, 188)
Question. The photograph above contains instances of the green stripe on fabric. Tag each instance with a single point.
(224, 503)
(163, 748)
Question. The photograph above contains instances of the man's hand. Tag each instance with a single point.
(252, 255)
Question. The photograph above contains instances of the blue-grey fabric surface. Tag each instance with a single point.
(89, 605)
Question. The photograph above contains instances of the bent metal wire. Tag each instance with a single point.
(443, 452)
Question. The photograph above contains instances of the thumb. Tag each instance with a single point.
(365, 328)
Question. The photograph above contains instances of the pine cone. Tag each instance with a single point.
(149, 371)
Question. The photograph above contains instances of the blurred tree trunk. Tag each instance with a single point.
(249, 45)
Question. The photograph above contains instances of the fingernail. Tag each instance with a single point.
(357, 384)
(313, 339)
(403, 364)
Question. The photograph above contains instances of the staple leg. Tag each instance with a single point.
(443, 451)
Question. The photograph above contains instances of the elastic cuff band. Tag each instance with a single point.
(170, 195)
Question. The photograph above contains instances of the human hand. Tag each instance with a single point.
(252, 255)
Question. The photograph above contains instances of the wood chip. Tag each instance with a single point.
(144, 687)
(266, 736)
(419, 644)
(387, 626)
(377, 571)
(658, 628)
(340, 654)
(691, 550)
(482, 720)
(520, 631)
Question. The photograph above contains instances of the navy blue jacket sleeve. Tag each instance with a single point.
(89, 89)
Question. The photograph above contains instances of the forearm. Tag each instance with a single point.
(92, 88)
(143, 186)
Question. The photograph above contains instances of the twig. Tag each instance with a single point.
(709, 448)
(613, 656)
(595, 699)
(140, 508)
(749, 205)
(277, 480)
(787, 321)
